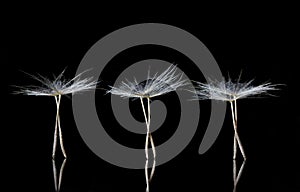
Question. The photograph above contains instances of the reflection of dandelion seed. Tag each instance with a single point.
(58, 180)
(154, 86)
(229, 91)
(236, 177)
(58, 87)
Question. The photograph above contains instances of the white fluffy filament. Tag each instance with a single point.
(156, 85)
(229, 91)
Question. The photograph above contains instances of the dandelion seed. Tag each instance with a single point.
(153, 86)
(56, 88)
(231, 92)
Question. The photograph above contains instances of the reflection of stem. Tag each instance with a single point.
(237, 178)
(236, 136)
(61, 173)
(57, 125)
(57, 183)
(54, 174)
(240, 172)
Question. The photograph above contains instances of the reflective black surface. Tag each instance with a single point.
(267, 126)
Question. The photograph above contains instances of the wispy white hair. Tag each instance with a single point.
(229, 91)
(154, 86)
(58, 86)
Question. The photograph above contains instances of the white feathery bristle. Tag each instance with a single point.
(229, 91)
(59, 86)
(154, 86)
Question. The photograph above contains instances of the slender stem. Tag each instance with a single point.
(146, 145)
(153, 170)
(144, 111)
(234, 146)
(147, 136)
(57, 125)
(151, 138)
(149, 111)
(236, 136)
(234, 171)
(55, 131)
(235, 111)
(54, 141)
(234, 125)
(60, 131)
(146, 176)
(240, 145)
(152, 146)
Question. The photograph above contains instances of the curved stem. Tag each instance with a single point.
(55, 131)
(153, 170)
(57, 181)
(237, 177)
(236, 136)
(234, 173)
(54, 141)
(54, 174)
(144, 111)
(235, 111)
(147, 136)
(60, 131)
(151, 138)
(240, 172)
(146, 176)
(234, 146)
(234, 127)
(61, 174)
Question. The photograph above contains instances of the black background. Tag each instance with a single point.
(261, 42)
